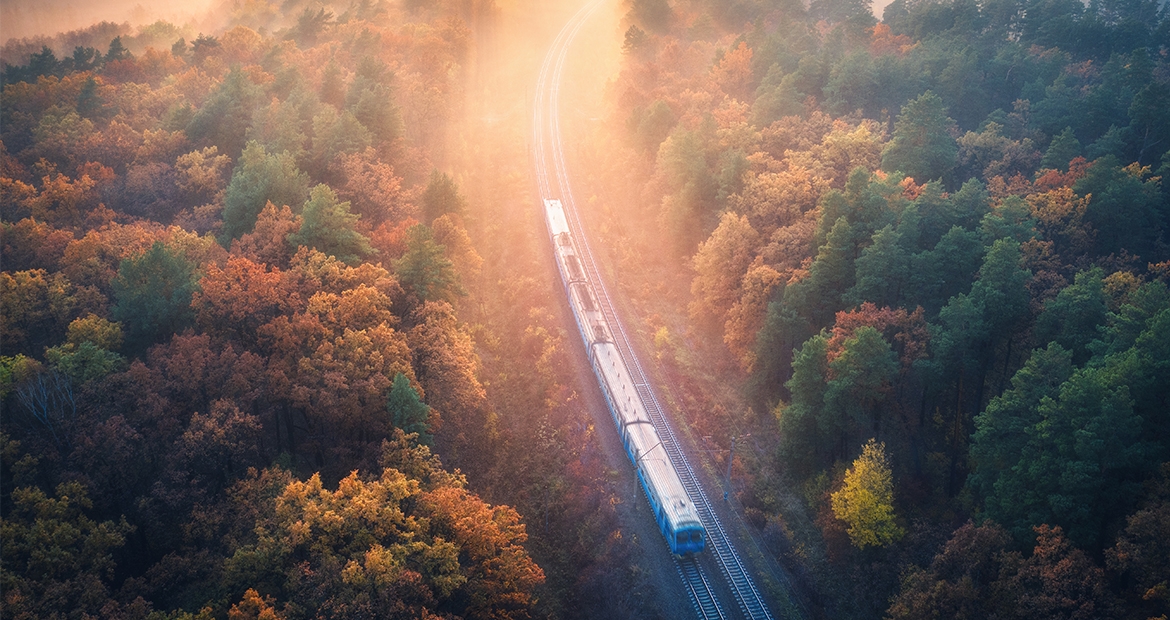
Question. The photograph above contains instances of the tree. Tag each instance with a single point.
(57, 560)
(719, 265)
(804, 445)
(258, 179)
(441, 197)
(1123, 207)
(373, 189)
(327, 225)
(655, 15)
(1142, 552)
(224, 118)
(962, 581)
(944, 271)
(1059, 581)
(1002, 429)
(860, 379)
(408, 411)
(1002, 292)
(866, 500)
(202, 174)
(831, 273)
(1080, 464)
(371, 99)
(152, 294)
(1064, 148)
(1072, 318)
(384, 546)
(922, 147)
(881, 271)
(425, 270)
(235, 300)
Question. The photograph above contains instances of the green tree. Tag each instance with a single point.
(152, 294)
(803, 445)
(861, 377)
(881, 271)
(441, 197)
(1063, 148)
(944, 271)
(1002, 291)
(224, 118)
(407, 410)
(371, 100)
(866, 500)
(424, 269)
(258, 179)
(655, 15)
(58, 562)
(831, 274)
(1003, 428)
(922, 147)
(327, 225)
(83, 362)
(1080, 465)
(1123, 208)
(1073, 316)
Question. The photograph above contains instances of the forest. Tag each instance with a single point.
(934, 250)
(279, 333)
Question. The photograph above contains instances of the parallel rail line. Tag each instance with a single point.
(547, 137)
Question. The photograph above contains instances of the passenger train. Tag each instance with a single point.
(676, 515)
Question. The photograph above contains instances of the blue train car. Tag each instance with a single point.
(676, 516)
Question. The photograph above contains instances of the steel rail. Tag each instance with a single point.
(703, 597)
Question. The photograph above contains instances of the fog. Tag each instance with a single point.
(31, 18)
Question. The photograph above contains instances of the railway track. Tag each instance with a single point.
(553, 182)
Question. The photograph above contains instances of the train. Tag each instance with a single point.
(676, 515)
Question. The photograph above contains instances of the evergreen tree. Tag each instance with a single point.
(441, 197)
(425, 269)
(327, 225)
(804, 445)
(225, 117)
(152, 294)
(258, 179)
(922, 147)
(407, 411)
(861, 376)
(881, 271)
(1073, 317)
(1063, 148)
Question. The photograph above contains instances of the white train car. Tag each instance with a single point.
(676, 515)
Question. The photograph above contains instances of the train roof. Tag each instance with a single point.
(555, 216)
(644, 440)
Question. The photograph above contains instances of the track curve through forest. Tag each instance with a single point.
(553, 182)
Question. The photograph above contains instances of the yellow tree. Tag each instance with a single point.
(866, 501)
(720, 264)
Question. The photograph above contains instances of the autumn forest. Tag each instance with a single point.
(281, 335)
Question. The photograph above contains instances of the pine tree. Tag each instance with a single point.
(407, 410)
(881, 271)
(425, 269)
(922, 147)
(1063, 148)
(327, 225)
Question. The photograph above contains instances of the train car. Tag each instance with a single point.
(675, 514)
(673, 511)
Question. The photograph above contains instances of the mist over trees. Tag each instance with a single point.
(266, 352)
(947, 231)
